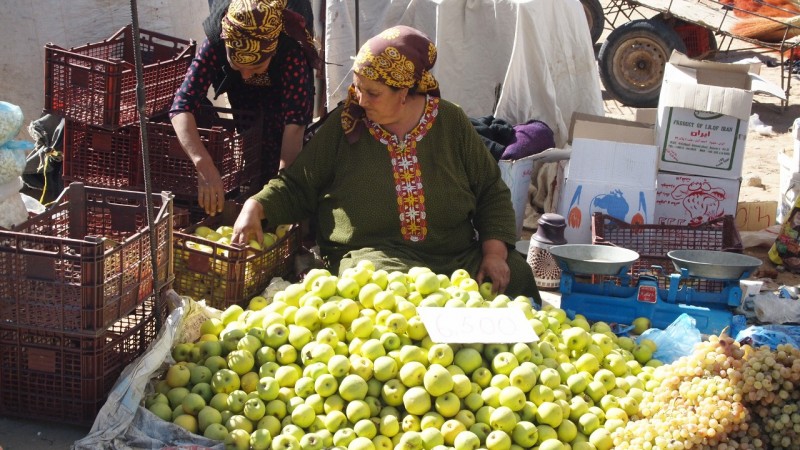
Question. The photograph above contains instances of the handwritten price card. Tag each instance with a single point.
(477, 325)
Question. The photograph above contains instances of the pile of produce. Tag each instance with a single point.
(347, 362)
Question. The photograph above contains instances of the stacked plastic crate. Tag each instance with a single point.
(78, 300)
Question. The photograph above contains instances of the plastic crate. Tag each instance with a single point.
(85, 262)
(66, 377)
(100, 157)
(696, 38)
(233, 144)
(228, 274)
(653, 242)
(96, 83)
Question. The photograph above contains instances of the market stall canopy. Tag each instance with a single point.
(516, 59)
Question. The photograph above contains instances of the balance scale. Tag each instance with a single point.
(619, 302)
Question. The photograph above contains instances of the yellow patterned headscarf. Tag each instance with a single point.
(400, 57)
(251, 28)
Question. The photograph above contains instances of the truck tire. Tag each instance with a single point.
(632, 61)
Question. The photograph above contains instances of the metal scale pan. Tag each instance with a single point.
(589, 259)
(714, 265)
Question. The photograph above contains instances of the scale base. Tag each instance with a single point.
(661, 314)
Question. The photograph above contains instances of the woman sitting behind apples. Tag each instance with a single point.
(399, 176)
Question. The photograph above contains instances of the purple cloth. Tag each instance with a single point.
(532, 137)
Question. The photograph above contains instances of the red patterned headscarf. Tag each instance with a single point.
(251, 29)
(400, 57)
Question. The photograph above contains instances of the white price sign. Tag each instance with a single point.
(477, 325)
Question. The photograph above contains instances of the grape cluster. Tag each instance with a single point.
(722, 396)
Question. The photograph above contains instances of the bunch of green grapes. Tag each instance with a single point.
(722, 396)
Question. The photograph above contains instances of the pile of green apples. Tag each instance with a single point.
(346, 362)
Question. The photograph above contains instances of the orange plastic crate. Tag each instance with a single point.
(96, 83)
(228, 274)
(100, 157)
(66, 377)
(85, 262)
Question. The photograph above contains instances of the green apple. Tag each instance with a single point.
(417, 401)
(576, 338)
(578, 382)
(550, 413)
(236, 401)
(285, 442)
(178, 375)
(601, 439)
(254, 409)
(504, 362)
(447, 404)
(468, 359)
(353, 387)
(231, 313)
(466, 440)
(524, 376)
(498, 440)
(412, 373)
(503, 419)
(549, 377)
(216, 431)
(643, 353)
(596, 390)
(385, 368)
(588, 422)
(450, 429)
(237, 439)
(616, 364)
(603, 341)
(512, 397)
(225, 380)
(524, 434)
(606, 377)
(260, 439)
(437, 380)
(540, 394)
(392, 392)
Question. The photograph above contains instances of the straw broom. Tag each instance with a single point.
(767, 29)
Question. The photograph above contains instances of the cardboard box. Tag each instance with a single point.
(703, 115)
(612, 170)
(755, 216)
(693, 200)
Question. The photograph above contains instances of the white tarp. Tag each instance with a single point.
(27, 25)
(538, 53)
(552, 72)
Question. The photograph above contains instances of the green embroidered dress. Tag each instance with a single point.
(425, 200)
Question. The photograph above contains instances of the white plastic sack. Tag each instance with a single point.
(122, 423)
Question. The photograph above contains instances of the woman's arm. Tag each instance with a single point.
(292, 144)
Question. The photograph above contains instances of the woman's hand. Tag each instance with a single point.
(248, 224)
(494, 265)
(210, 191)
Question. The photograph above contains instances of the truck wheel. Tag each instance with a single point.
(632, 61)
(595, 18)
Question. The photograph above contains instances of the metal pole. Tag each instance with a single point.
(140, 106)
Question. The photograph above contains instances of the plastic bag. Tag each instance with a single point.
(10, 121)
(770, 335)
(770, 308)
(676, 341)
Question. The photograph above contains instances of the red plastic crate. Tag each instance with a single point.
(66, 377)
(100, 157)
(226, 274)
(696, 38)
(85, 262)
(233, 144)
(653, 242)
(96, 83)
